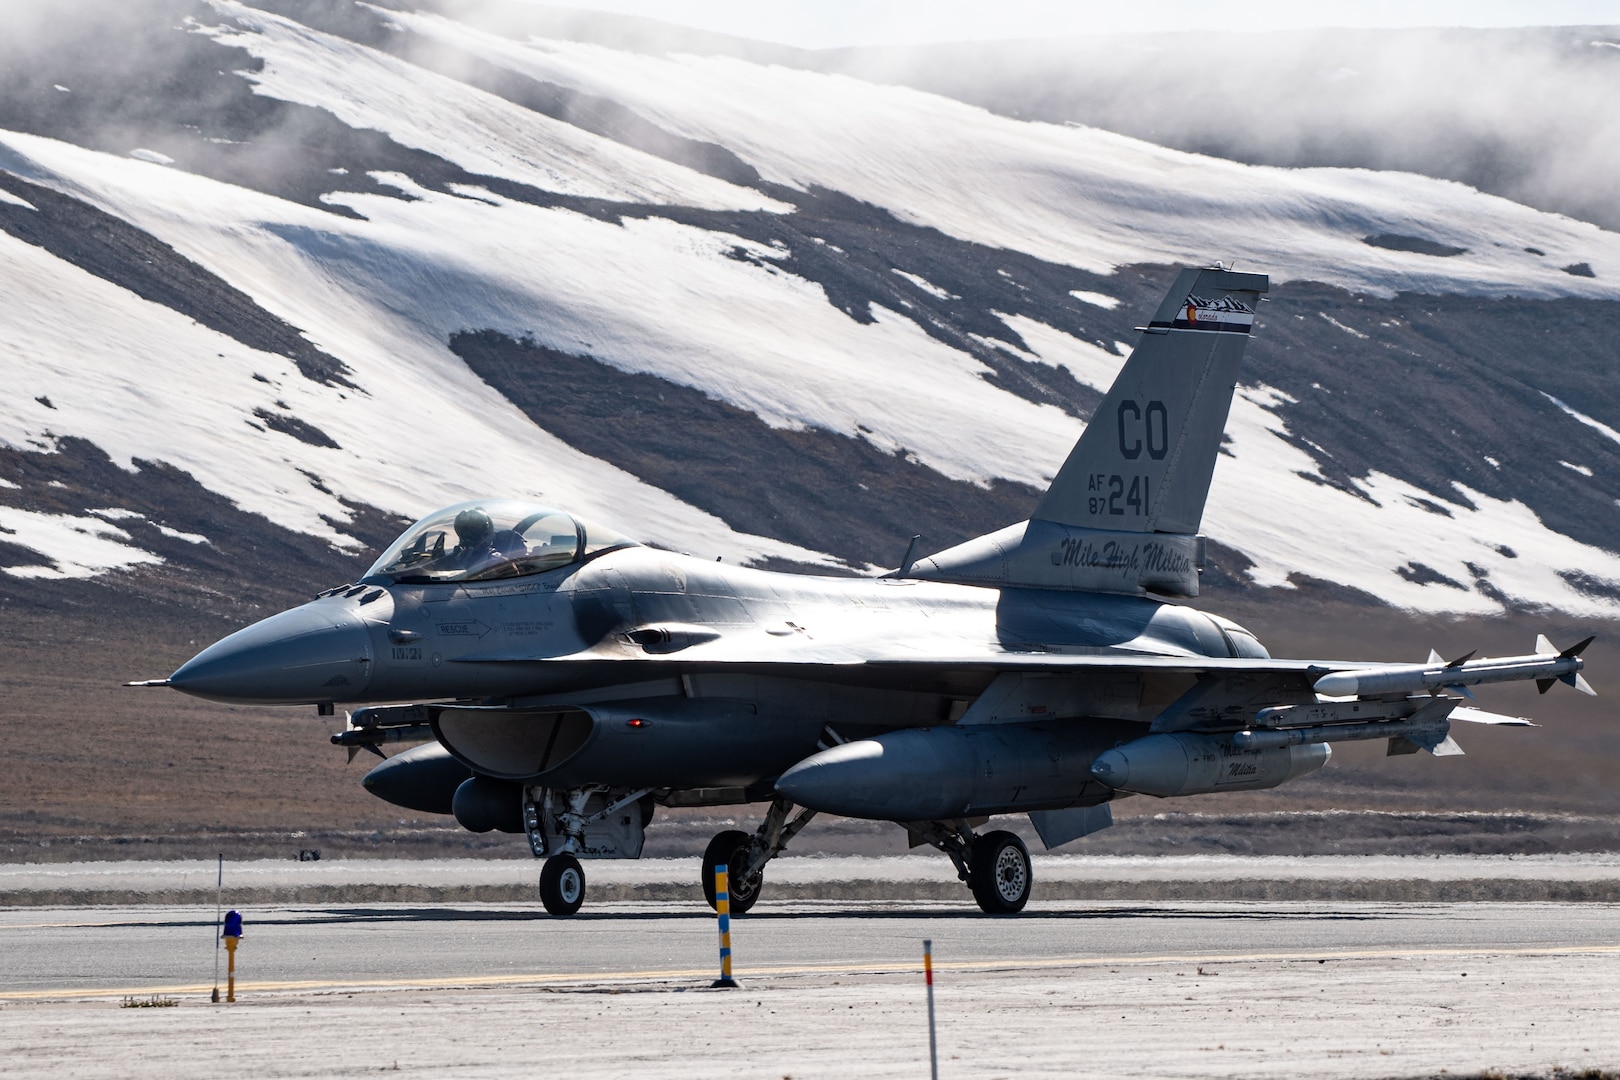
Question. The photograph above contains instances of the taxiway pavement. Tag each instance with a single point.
(829, 989)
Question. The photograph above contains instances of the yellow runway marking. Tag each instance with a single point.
(477, 982)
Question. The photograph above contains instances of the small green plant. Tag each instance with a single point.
(156, 1001)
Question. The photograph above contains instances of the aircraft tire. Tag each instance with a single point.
(562, 885)
(730, 848)
(1000, 874)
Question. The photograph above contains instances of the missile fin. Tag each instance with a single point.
(1464, 691)
(1545, 647)
(1447, 748)
(1463, 659)
(1574, 679)
(1434, 658)
(1577, 648)
(1480, 716)
(353, 750)
(1544, 685)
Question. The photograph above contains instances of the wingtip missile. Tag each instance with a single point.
(1544, 666)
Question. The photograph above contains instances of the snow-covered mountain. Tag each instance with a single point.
(276, 276)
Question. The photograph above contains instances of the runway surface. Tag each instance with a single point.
(830, 989)
(76, 952)
(1593, 877)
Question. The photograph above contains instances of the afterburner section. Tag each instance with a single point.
(485, 539)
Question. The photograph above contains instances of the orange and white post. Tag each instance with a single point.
(928, 976)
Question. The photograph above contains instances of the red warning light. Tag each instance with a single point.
(636, 722)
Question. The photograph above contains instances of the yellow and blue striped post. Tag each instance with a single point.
(722, 907)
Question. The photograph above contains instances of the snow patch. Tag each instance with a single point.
(383, 296)
(1095, 299)
(1089, 363)
(140, 153)
(113, 513)
(1582, 469)
(927, 286)
(79, 547)
(1596, 425)
(8, 199)
(1067, 194)
(1262, 509)
(1352, 331)
(476, 130)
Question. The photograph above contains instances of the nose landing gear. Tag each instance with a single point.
(744, 856)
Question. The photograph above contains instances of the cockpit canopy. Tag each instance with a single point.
(490, 538)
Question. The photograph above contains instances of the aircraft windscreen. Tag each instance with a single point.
(487, 539)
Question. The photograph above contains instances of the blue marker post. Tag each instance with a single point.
(722, 907)
(233, 934)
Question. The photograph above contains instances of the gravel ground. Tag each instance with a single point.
(1457, 1015)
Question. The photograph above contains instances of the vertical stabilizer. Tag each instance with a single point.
(1144, 462)
(1122, 515)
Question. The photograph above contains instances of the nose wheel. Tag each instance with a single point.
(733, 849)
(744, 855)
(562, 885)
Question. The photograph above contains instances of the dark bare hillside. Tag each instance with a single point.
(1437, 391)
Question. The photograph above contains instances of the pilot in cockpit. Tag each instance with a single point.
(479, 545)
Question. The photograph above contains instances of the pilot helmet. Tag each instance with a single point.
(474, 527)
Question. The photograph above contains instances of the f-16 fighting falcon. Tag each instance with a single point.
(569, 681)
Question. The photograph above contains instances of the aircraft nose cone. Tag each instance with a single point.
(315, 653)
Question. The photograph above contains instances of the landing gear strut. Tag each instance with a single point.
(598, 822)
(744, 856)
(995, 866)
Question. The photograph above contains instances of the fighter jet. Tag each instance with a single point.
(566, 681)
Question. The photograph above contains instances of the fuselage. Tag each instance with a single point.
(593, 624)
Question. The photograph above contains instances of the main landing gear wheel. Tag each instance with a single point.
(562, 885)
(732, 849)
(1000, 877)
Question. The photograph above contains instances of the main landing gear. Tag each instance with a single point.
(599, 822)
(744, 855)
(995, 865)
